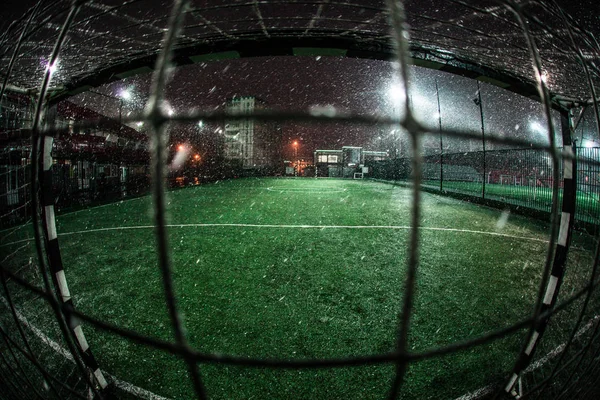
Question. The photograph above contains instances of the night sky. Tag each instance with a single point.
(283, 83)
(357, 85)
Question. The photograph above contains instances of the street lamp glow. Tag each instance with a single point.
(200, 124)
(125, 94)
(396, 92)
(536, 127)
(589, 143)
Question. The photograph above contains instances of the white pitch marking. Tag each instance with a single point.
(307, 190)
(559, 349)
(477, 394)
(145, 394)
(390, 227)
(125, 386)
(481, 392)
(103, 205)
(16, 242)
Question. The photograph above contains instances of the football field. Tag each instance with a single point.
(300, 269)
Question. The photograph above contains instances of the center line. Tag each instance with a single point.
(274, 226)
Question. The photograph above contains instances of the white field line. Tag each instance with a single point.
(307, 189)
(125, 386)
(145, 394)
(479, 393)
(274, 226)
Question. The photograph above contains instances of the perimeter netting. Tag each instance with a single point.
(71, 143)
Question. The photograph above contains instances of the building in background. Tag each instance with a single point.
(299, 167)
(248, 143)
(346, 162)
(105, 160)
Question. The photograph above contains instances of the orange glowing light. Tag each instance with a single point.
(181, 147)
(197, 157)
(295, 143)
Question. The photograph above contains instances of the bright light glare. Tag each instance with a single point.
(167, 109)
(537, 127)
(125, 94)
(140, 124)
(180, 157)
(200, 123)
(589, 143)
(52, 67)
(420, 104)
(197, 157)
(396, 92)
(295, 143)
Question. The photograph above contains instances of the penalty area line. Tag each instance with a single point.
(125, 386)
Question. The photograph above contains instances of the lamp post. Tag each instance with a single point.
(295, 144)
(124, 95)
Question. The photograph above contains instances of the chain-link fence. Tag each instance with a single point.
(517, 177)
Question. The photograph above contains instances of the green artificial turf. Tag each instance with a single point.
(270, 268)
(540, 198)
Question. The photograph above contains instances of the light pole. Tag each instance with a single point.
(124, 95)
(295, 144)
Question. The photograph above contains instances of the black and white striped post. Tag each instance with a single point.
(56, 266)
(567, 219)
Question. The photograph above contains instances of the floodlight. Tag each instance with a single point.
(125, 94)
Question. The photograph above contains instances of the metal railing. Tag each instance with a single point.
(518, 177)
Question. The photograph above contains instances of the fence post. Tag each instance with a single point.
(480, 104)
